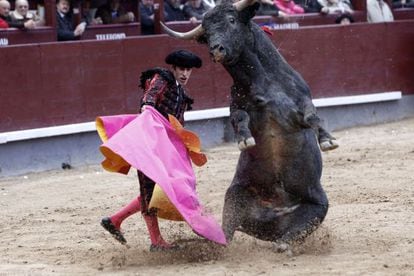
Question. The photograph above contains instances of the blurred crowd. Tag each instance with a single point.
(98, 12)
(20, 17)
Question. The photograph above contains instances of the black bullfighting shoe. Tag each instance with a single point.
(110, 227)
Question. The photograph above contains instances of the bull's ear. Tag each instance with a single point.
(249, 12)
(202, 39)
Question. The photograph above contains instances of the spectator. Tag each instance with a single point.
(4, 12)
(398, 4)
(6, 20)
(113, 12)
(335, 6)
(146, 9)
(22, 14)
(310, 6)
(268, 7)
(194, 10)
(66, 30)
(90, 8)
(344, 19)
(173, 10)
(378, 11)
(289, 7)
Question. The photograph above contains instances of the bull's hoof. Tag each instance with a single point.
(247, 143)
(328, 145)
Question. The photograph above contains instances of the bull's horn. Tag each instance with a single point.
(193, 34)
(242, 4)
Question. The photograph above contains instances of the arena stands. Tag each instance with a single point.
(80, 9)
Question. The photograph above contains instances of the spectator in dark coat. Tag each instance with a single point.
(113, 13)
(66, 29)
(268, 7)
(398, 4)
(146, 9)
(194, 10)
(310, 6)
(173, 11)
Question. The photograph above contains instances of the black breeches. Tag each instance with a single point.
(146, 188)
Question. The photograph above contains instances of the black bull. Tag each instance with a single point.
(276, 194)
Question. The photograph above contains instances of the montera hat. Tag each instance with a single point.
(183, 58)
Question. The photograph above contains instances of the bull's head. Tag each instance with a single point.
(224, 29)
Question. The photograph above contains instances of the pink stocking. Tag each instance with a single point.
(154, 231)
(133, 207)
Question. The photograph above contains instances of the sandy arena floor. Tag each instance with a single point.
(50, 221)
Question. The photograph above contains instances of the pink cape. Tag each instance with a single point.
(150, 144)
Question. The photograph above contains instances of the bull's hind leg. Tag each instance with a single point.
(236, 204)
(306, 217)
(290, 223)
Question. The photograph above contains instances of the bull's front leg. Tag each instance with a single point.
(240, 122)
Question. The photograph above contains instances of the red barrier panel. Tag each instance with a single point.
(348, 60)
(60, 83)
(16, 36)
(111, 32)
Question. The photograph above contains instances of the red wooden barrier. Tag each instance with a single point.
(59, 83)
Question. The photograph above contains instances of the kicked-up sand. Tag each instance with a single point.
(49, 222)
